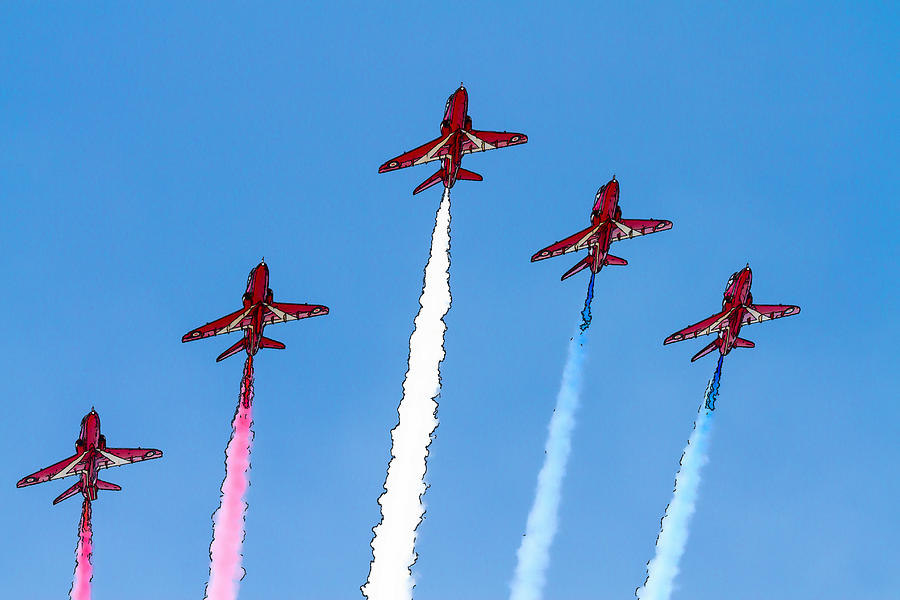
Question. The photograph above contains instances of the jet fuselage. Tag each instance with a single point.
(456, 118)
(606, 209)
(737, 296)
(90, 441)
(257, 293)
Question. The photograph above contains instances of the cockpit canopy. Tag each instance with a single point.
(731, 280)
(447, 108)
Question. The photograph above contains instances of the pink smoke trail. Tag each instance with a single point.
(84, 571)
(225, 570)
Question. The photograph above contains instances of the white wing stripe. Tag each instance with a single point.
(115, 460)
(235, 325)
(429, 156)
(67, 470)
(480, 143)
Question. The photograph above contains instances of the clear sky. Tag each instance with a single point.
(151, 154)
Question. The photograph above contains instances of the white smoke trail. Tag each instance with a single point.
(393, 547)
(534, 552)
(674, 527)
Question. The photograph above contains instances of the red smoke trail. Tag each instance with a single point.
(84, 571)
(225, 569)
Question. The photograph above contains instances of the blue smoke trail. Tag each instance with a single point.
(586, 313)
(534, 551)
(713, 390)
(672, 539)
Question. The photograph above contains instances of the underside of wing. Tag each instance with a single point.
(116, 457)
(479, 141)
(629, 228)
(573, 243)
(713, 324)
(233, 322)
(433, 150)
(70, 466)
(281, 312)
(757, 313)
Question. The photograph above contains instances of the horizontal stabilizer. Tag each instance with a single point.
(468, 175)
(105, 485)
(76, 487)
(433, 180)
(584, 263)
(240, 345)
(615, 260)
(267, 343)
(742, 343)
(714, 345)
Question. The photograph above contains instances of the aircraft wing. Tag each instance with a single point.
(281, 312)
(715, 323)
(572, 243)
(757, 313)
(479, 141)
(116, 457)
(629, 228)
(70, 466)
(227, 324)
(433, 150)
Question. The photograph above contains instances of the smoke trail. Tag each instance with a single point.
(84, 571)
(534, 551)
(586, 312)
(393, 545)
(225, 569)
(670, 543)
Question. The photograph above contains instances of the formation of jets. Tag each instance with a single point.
(457, 139)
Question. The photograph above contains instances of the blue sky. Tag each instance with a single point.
(151, 155)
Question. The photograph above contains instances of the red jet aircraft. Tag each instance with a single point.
(737, 310)
(259, 310)
(607, 226)
(91, 455)
(457, 138)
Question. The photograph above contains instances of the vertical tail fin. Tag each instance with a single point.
(240, 345)
(434, 179)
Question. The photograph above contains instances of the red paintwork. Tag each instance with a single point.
(457, 138)
(259, 310)
(737, 310)
(91, 455)
(607, 226)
